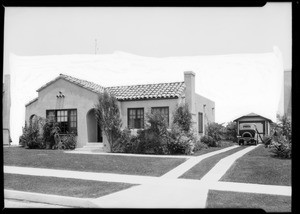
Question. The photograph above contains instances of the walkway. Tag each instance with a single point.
(167, 191)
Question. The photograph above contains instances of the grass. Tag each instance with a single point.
(199, 170)
(212, 149)
(61, 186)
(57, 159)
(269, 203)
(259, 166)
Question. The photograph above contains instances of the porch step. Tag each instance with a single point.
(92, 147)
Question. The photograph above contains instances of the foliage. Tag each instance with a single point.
(31, 137)
(282, 137)
(108, 115)
(155, 137)
(182, 117)
(51, 134)
(224, 143)
(68, 141)
(282, 147)
(209, 141)
(181, 142)
(199, 145)
(216, 131)
(230, 132)
(267, 140)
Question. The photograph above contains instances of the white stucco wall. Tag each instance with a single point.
(208, 111)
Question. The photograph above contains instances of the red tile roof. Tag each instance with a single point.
(132, 92)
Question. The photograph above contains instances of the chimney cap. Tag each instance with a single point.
(189, 73)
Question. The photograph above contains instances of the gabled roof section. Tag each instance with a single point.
(252, 115)
(83, 83)
(132, 92)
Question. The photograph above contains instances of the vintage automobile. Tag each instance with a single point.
(247, 134)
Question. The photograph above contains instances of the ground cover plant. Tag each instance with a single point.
(62, 186)
(261, 167)
(269, 203)
(58, 159)
(199, 170)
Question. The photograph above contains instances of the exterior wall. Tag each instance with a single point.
(208, 111)
(147, 104)
(6, 110)
(75, 97)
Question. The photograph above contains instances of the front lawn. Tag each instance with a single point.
(269, 203)
(259, 166)
(57, 159)
(62, 186)
(198, 171)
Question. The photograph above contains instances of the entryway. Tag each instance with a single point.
(93, 128)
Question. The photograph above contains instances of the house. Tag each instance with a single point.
(262, 123)
(6, 110)
(70, 101)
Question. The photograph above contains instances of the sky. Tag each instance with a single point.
(152, 44)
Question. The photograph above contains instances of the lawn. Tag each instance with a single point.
(259, 166)
(211, 149)
(269, 203)
(62, 186)
(57, 159)
(199, 170)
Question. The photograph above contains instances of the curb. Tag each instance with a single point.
(50, 199)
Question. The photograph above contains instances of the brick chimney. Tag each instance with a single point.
(189, 80)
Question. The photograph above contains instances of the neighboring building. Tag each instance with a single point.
(262, 123)
(6, 110)
(71, 102)
(287, 93)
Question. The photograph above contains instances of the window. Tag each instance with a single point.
(135, 118)
(163, 110)
(200, 122)
(67, 119)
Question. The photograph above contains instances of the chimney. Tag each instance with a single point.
(189, 80)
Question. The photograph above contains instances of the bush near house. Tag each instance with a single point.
(281, 143)
(45, 134)
(108, 114)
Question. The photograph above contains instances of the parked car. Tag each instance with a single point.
(247, 134)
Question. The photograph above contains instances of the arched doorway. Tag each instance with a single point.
(93, 128)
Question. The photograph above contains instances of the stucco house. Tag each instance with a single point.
(71, 102)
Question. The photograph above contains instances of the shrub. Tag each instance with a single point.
(209, 141)
(31, 138)
(216, 131)
(231, 132)
(68, 141)
(199, 145)
(267, 140)
(108, 114)
(51, 134)
(123, 142)
(282, 137)
(282, 147)
(180, 142)
(183, 117)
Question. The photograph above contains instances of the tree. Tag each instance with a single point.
(108, 115)
(183, 117)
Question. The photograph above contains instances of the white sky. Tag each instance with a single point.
(152, 45)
